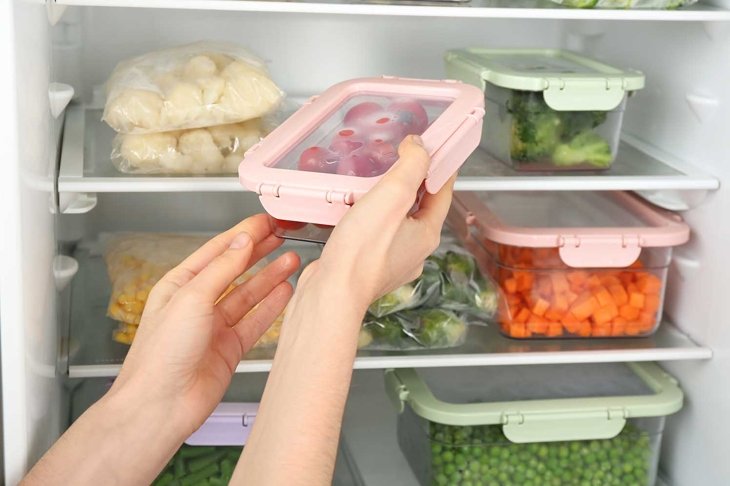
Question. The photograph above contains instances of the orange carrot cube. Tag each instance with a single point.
(518, 331)
(584, 329)
(605, 314)
(652, 303)
(554, 330)
(559, 282)
(510, 285)
(618, 292)
(540, 307)
(522, 316)
(601, 331)
(603, 296)
(636, 299)
(628, 312)
(584, 306)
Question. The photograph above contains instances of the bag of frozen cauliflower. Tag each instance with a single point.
(192, 86)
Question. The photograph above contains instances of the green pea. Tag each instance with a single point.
(442, 480)
(448, 456)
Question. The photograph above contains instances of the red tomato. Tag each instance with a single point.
(383, 153)
(288, 225)
(357, 165)
(357, 113)
(411, 115)
(343, 146)
(317, 159)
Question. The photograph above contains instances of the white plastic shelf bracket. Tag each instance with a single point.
(59, 96)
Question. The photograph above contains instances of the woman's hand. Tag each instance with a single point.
(190, 340)
(183, 357)
(375, 248)
(379, 245)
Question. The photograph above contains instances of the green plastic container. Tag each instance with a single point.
(594, 424)
(547, 109)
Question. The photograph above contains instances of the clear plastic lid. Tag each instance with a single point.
(361, 137)
(567, 80)
(591, 229)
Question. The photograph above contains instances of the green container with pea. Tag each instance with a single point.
(576, 424)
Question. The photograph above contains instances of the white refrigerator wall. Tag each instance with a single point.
(31, 387)
(308, 53)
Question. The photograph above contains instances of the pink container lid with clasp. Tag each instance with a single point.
(230, 424)
(591, 229)
(329, 153)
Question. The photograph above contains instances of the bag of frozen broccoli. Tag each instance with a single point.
(413, 329)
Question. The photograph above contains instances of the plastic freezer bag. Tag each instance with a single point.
(450, 280)
(192, 86)
(213, 150)
(137, 261)
(413, 329)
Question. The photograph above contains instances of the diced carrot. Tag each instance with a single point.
(522, 316)
(510, 285)
(632, 287)
(647, 320)
(603, 296)
(650, 284)
(601, 331)
(584, 306)
(610, 279)
(524, 280)
(538, 326)
(518, 331)
(540, 307)
(571, 323)
(637, 264)
(554, 329)
(544, 286)
(633, 329)
(560, 303)
(618, 292)
(584, 329)
(628, 312)
(577, 277)
(626, 278)
(652, 303)
(560, 282)
(593, 281)
(554, 315)
(571, 297)
(636, 299)
(605, 314)
(618, 327)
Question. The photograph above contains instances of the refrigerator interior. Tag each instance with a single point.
(680, 118)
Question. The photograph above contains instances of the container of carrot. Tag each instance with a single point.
(571, 264)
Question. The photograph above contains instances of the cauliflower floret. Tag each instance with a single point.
(237, 137)
(200, 146)
(220, 60)
(199, 67)
(145, 150)
(212, 88)
(133, 108)
(231, 163)
(175, 163)
(184, 103)
(249, 92)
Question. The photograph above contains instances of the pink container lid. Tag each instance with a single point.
(329, 153)
(591, 229)
(230, 424)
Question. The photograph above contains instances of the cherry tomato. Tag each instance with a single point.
(288, 225)
(357, 165)
(411, 115)
(385, 129)
(359, 112)
(317, 159)
(383, 153)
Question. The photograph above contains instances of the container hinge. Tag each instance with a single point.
(513, 419)
(617, 413)
(247, 419)
(613, 83)
(337, 197)
(630, 241)
(268, 189)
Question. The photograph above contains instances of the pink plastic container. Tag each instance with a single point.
(329, 153)
(578, 264)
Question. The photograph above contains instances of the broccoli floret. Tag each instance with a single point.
(404, 297)
(386, 330)
(575, 122)
(440, 328)
(535, 136)
(585, 148)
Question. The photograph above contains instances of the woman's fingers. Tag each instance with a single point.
(216, 277)
(245, 297)
(254, 325)
(434, 207)
(259, 229)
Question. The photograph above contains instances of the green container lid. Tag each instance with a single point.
(569, 82)
(556, 402)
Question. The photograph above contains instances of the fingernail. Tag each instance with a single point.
(417, 140)
(240, 241)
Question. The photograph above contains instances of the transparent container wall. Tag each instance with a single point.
(545, 209)
(200, 465)
(453, 455)
(361, 137)
(541, 297)
(521, 130)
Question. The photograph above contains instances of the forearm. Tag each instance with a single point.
(119, 440)
(295, 436)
